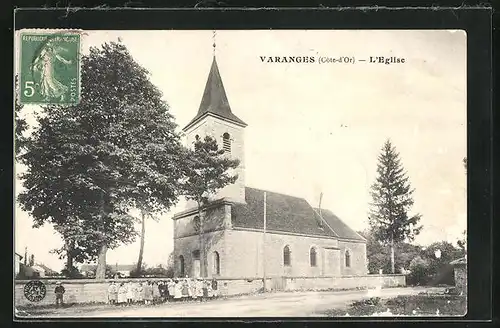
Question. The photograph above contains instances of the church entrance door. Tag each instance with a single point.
(196, 268)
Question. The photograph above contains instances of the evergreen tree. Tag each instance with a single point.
(89, 164)
(207, 171)
(392, 199)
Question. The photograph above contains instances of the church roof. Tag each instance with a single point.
(287, 214)
(338, 225)
(214, 100)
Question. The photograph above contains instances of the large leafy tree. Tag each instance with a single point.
(20, 124)
(208, 170)
(90, 164)
(392, 199)
(439, 255)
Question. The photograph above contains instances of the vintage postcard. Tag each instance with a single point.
(240, 173)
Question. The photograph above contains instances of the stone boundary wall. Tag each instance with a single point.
(94, 291)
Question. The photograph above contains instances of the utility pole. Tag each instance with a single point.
(264, 247)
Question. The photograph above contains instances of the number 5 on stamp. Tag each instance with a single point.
(50, 68)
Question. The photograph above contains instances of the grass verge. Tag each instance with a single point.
(414, 305)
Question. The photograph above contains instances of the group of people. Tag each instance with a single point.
(156, 292)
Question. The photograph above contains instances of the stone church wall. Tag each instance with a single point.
(246, 251)
(357, 251)
(185, 246)
(213, 220)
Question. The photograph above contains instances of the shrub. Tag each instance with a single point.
(419, 272)
(370, 301)
(73, 273)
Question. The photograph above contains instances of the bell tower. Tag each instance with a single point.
(216, 119)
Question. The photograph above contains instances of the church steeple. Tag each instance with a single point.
(216, 119)
(214, 101)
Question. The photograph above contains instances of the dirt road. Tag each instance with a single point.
(296, 304)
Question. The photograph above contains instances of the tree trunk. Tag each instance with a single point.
(101, 263)
(69, 256)
(392, 256)
(100, 272)
(143, 235)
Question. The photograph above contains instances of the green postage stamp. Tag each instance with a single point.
(49, 68)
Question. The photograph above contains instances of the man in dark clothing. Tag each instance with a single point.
(59, 291)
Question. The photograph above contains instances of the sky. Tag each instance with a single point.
(312, 127)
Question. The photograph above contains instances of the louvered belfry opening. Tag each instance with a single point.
(226, 142)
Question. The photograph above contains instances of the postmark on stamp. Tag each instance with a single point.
(49, 68)
(35, 291)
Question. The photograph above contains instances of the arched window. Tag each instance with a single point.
(312, 256)
(216, 263)
(226, 142)
(347, 259)
(181, 265)
(196, 223)
(286, 256)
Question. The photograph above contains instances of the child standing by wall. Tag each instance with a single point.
(139, 293)
(112, 293)
(148, 293)
(177, 290)
(122, 294)
(156, 293)
(130, 293)
(171, 289)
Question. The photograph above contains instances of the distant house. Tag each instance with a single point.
(37, 271)
(17, 263)
(48, 272)
(123, 270)
(460, 272)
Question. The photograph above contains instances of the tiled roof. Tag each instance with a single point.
(214, 99)
(287, 214)
(461, 261)
(45, 268)
(342, 229)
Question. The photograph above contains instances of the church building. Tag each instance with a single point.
(299, 240)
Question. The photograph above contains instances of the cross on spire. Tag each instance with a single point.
(213, 37)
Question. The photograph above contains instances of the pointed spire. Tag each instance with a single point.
(214, 100)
